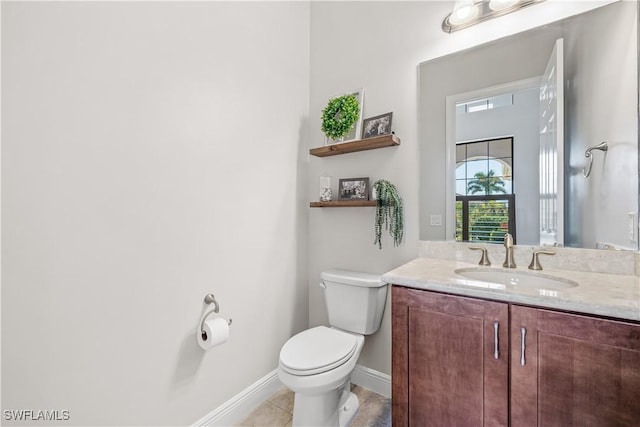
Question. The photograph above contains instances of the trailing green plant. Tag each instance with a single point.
(340, 115)
(389, 212)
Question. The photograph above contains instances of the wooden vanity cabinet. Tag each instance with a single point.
(449, 360)
(575, 370)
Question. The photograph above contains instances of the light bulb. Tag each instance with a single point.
(463, 11)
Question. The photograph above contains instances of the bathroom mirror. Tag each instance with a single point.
(499, 171)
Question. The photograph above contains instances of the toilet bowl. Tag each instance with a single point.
(317, 363)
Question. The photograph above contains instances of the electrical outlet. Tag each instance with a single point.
(435, 220)
(632, 226)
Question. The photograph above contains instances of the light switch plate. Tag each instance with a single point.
(435, 220)
(632, 226)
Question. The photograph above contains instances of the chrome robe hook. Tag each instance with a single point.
(603, 146)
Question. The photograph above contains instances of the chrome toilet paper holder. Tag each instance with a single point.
(210, 299)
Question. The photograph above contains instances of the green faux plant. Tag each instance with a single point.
(340, 115)
(389, 212)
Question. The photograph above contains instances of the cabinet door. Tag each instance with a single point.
(450, 360)
(574, 370)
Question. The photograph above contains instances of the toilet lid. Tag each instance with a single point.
(317, 350)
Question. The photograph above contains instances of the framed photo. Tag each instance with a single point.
(353, 189)
(356, 132)
(376, 126)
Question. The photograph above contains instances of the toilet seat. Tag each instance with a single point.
(317, 350)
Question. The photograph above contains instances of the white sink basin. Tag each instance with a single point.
(519, 279)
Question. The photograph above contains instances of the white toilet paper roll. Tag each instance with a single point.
(215, 332)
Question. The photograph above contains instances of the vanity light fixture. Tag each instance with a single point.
(501, 4)
(470, 12)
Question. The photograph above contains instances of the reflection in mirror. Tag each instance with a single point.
(484, 190)
(514, 159)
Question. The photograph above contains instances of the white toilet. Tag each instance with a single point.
(317, 363)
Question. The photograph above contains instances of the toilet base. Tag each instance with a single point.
(334, 408)
(348, 410)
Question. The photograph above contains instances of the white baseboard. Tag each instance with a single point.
(373, 380)
(239, 406)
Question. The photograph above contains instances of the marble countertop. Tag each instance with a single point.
(612, 295)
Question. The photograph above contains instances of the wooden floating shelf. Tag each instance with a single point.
(356, 145)
(343, 204)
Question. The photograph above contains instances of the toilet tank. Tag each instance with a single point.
(355, 301)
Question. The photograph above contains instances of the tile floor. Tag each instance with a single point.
(277, 411)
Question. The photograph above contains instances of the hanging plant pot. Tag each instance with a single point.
(389, 212)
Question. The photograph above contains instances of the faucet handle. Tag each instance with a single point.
(484, 259)
(535, 262)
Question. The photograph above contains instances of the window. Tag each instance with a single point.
(484, 104)
(485, 203)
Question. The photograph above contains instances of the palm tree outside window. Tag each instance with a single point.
(485, 203)
(486, 183)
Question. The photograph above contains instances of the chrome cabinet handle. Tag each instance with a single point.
(496, 353)
(523, 346)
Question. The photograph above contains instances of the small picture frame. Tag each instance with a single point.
(353, 189)
(377, 126)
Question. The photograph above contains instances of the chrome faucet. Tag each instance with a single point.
(508, 244)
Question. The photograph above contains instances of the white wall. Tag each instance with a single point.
(602, 64)
(152, 152)
(519, 120)
(378, 46)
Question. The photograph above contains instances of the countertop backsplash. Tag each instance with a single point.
(574, 259)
